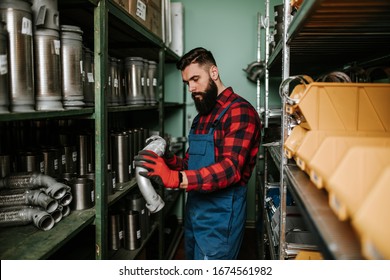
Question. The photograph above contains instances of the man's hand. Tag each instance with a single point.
(157, 170)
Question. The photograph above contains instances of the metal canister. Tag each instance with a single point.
(88, 78)
(136, 202)
(4, 91)
(47, 49)
(120, 156)
(132, 230)
(83, 193)
(17, 15)
(134, 67)
(122, 82)
(71, 62)
(30, 161)
(144, 81)
(5, 165)
(114, 98)
(152, 82)
(45, 14)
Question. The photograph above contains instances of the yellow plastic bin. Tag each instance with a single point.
(372, 220)
(354, 178)
(333, 148)
(294, 140)
(309, 145)
(346, 106)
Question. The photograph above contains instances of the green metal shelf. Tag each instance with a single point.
(85, 112)
(30, 243)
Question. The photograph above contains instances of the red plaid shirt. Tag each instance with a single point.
(236, 143)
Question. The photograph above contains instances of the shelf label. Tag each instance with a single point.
(26, 26)
(90, 78)
(57, 47)
(141, 10)
(3, 64)
(138, 234)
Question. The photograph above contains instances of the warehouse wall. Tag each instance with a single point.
(229, 29)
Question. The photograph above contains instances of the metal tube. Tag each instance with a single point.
(153, 201)
(23, 215)
(12, 197)
(31, 180)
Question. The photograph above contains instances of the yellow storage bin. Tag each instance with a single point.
(372, 220)
(294, 141)
(354, 178)
(346, 106)
(333, 148)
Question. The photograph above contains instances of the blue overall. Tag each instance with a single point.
(214, 221)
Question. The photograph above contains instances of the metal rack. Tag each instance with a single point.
(324, 35)
(106, 27)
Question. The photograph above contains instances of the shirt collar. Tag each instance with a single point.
(223, 97)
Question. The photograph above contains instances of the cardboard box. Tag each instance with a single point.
(139, 10)
(155, 20)
(123, 3)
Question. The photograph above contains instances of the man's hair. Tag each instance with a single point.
(197, 55)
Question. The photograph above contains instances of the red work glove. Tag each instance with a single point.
(158, 171)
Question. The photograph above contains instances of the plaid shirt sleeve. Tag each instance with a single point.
(237, 141)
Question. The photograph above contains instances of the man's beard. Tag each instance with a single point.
(205, 105)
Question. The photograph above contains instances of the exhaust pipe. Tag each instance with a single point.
(11, 197)
(153, 201)
(50, 186)
(13, 216)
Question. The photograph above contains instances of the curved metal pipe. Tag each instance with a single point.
(32, 180)
(153, 201)
(13, 216)
(11, 197)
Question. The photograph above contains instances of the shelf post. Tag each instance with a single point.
(100, 58)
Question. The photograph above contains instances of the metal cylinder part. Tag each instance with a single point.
(122, 82)
(5, 165)
(114, 98)
(47, 50)
(4, 88)
(45, 14)
(134, 67)
(152, 82)
(136, 202)
(115, 233)
(88, 77)
(23, 215)
(17, 15)
(30, 161)
(132, 230)
(144, 80)
(120, 156)
(83, 152)
(83, 193)
(71, 159)
(71, 62)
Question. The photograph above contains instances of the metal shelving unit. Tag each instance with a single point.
(108, 29)
(323, 36)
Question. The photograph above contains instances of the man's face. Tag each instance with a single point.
(203, 89)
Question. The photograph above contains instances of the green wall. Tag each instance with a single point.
(228, 28)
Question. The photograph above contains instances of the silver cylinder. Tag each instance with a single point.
(132, 230)
(83, 152)
(17, 15)
(137, 203)
(47, 48)
(114, 98)
(144, 81)
(71, 62)
(30, 161)
(83, 193)
(5, 165)
(88, 77)
(45, 14)
(122, 82)
(4, 90)
(120, 156)
(71, 159)
(115, 232)
(152, 83)
(134, 67)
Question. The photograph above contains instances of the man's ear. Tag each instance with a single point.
(214, 72)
